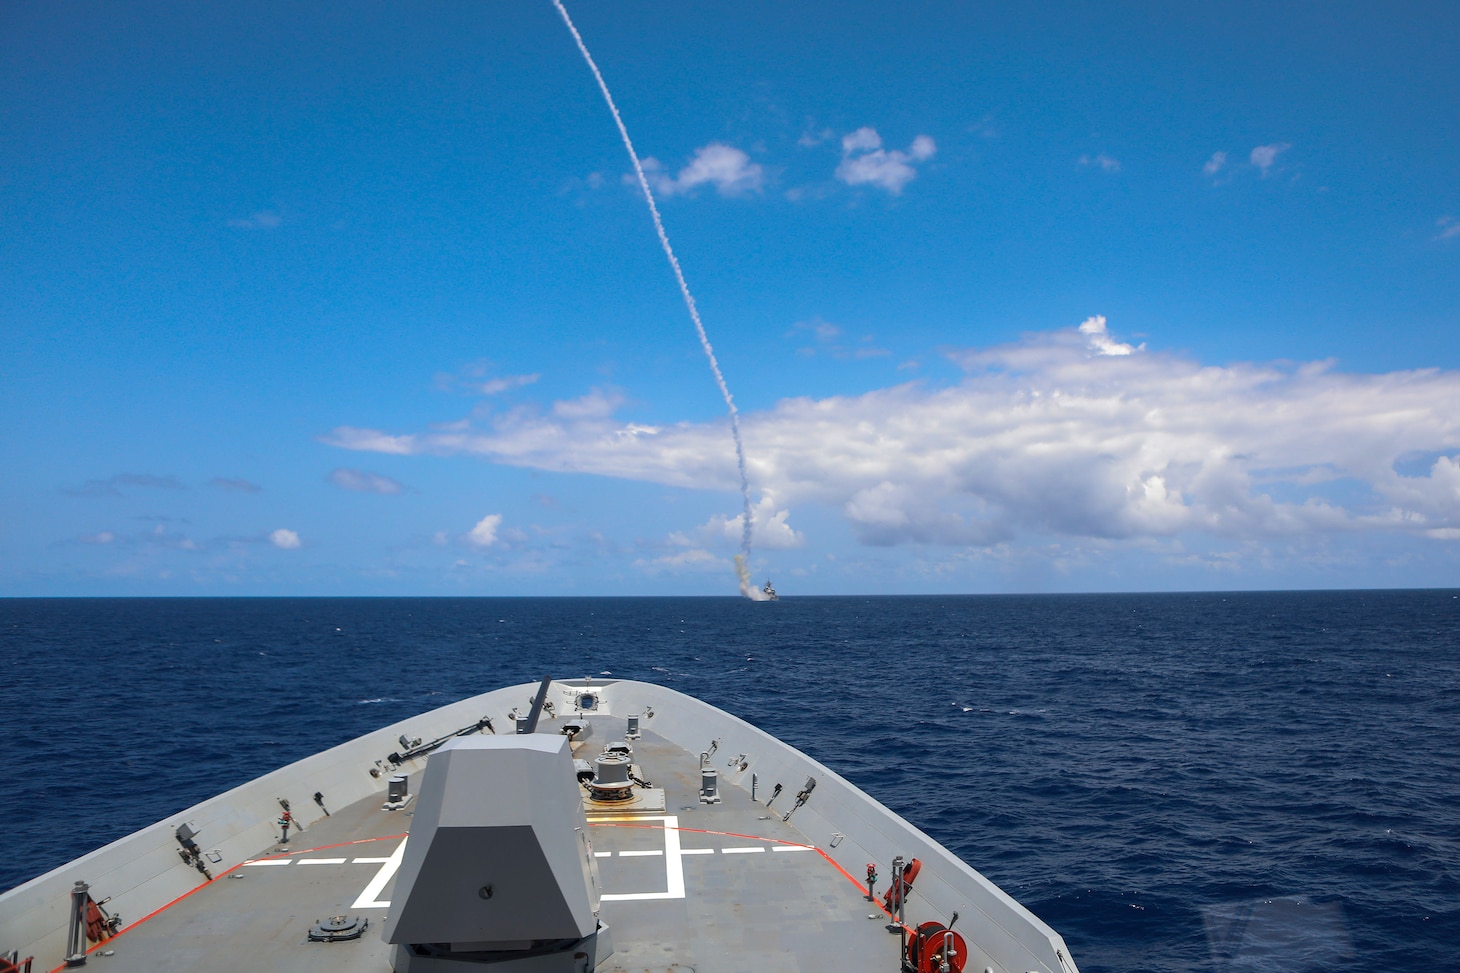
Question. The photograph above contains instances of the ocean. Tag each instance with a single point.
(1174, 782)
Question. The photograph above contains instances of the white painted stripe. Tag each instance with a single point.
(371, 861)
(370, 898)
(696, 851)
(792, 848)
(322, 861)
(652, 853)
(603, 854)
(271, 861)
(741, 851)
(673, 864)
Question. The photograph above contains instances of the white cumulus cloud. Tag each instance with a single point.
(1098, 336)
(894, 513)
(770, 528)
(723, 166)
(285, 539)
(370, 440)
(866, 162)
(1214, 164)
(1265, 156)
(505, 383)
(484, 534)
(1065, 433)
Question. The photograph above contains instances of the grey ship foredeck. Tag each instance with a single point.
(727, 886)
(702, 887)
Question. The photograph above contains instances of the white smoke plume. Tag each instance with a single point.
(743, 558)
(747, 587)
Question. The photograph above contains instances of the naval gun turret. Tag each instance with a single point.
(498, 875)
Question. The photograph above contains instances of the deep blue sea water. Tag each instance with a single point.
(1264, 782)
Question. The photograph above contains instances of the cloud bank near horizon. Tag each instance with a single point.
(1069, 433)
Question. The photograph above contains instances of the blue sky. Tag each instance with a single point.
(361, 298)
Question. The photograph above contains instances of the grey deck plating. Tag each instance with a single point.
(693, 887)
(699, 887)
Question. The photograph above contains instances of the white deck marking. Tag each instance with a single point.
(792, 848)
(323, 861)
(741, 851)
(673, 862)
(271, 861)
(651, 853)
(371, 861)
(369, 899)
(696, 851)
(603, 854)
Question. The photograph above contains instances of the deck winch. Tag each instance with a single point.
(613, 774)
(613, 787)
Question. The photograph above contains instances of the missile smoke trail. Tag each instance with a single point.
(742, 560)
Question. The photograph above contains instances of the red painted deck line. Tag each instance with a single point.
(306, 851)
(221, 875)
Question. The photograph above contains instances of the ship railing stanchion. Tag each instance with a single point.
(901, 885)
(892, 901)
(75, 938)
(902, 898)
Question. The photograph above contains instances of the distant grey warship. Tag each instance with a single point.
(570, 826)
